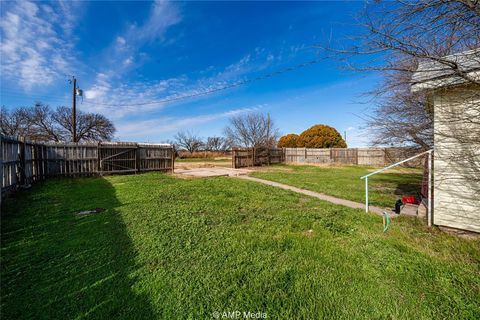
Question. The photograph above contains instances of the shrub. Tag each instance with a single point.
(321, 136)
(288, 141)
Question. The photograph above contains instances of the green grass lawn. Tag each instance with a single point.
(344, 181)
(168, 248)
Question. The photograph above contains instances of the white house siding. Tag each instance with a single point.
(456, 158)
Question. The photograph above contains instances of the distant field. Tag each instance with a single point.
(344, 181)
(168, 248)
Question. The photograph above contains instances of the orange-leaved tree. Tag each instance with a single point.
(321, 136)
(288, 141)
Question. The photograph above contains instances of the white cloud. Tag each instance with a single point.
(128, 97)
(173, 124)
(122, 58)
(33, 42)
(124, 97)
(128, 61)
(163, 15)
(121, 41)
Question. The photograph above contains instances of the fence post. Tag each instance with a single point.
(21, 145)
(253, 157)
(137, 157)
(366, 194)
(172, 150)
(99, 165)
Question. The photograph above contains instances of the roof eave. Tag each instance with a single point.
(446, 81)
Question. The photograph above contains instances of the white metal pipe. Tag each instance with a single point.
(395, 164)
(430, 198)
(429, 218)
(366, 194)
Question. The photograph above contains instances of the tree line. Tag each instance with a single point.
(394, 40)
(254, 130)
(42, 123)
(250, 130)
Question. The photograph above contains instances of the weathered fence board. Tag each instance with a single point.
(355, 156)
(24, 162)
(256, 157)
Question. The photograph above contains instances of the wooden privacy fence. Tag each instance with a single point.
(24, 162)
(256, 157)
(355, 156)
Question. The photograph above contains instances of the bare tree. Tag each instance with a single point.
(403, 31)
(252, 130)
(398, 36)
(90, 126)
(400, 117)
(41, 123)
(16, 122)
(410, 42)
(216, 144)
(188, 141)
(44, 126)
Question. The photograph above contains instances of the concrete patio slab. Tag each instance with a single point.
(212, 172)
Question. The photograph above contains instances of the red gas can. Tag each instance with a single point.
(409, 199)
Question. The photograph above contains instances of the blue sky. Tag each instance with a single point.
(125, 54)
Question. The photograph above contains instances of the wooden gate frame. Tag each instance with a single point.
(109, 159)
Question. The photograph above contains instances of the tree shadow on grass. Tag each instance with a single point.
(401, 184)
(56, 264)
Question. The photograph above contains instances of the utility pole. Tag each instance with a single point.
(74, 109)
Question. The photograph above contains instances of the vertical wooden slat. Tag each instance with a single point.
(23, 162)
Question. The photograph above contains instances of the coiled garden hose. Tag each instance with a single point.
(386, 221)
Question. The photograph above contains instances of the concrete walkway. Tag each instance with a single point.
(243, 174)
(321, 196)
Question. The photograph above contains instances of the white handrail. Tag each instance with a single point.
(399, 163)
(396, 164)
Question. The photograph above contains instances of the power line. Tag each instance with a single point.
(207, 92)
(20, 101)
(36, 96)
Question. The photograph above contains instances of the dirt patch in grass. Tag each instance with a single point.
(90, 212)
(308, 233)
(201, 164)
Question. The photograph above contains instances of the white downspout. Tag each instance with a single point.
(430, 195)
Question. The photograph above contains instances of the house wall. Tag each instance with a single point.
(457, 158)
